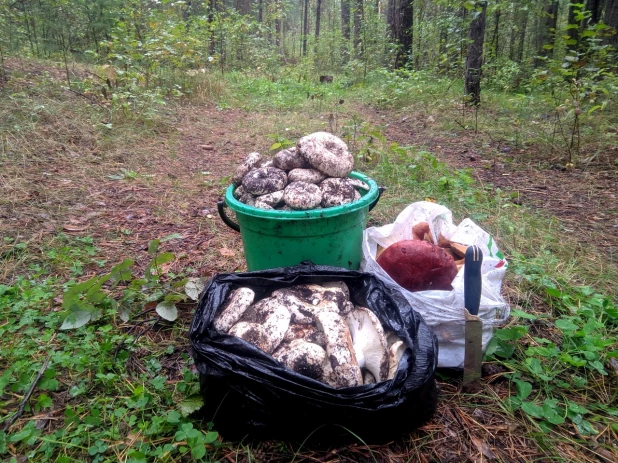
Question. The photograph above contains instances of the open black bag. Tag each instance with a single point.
(248, 394)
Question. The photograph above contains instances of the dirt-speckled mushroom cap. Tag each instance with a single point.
(302, 357)
(326, 153)
(237, 302)
(265, 180)
(252, 161)
(272, 199)
(341, 369)
(336, 192)
(263, 324)
(289, 159)
(302, 196)
(305, 175)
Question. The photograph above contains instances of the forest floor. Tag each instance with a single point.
(168, 180)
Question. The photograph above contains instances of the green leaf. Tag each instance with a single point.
(210, 437)
(521, 314)
(167, 311)
(163, 258)
(511, 334)
(566, 324)
(198, 451)
(553, 292)
(75, 319)
(524, 388)
(153, 246)
(191, 404)
(532, 409)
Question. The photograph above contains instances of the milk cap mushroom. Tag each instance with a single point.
(326, 153)
(252, 161)
(302, 195)
(289, 159)
(336, 192)
(395, 352)
(302, 357)
(265, 180)
(237, 302)
(263, 324)
(340, 366)
(369, 341)
(305, 175)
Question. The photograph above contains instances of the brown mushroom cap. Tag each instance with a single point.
(326, 153)
(265, 180)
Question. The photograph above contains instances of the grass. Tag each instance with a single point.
(123, 386)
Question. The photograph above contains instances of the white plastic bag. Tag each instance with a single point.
(443, 310)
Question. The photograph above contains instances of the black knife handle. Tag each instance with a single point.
(472, 279)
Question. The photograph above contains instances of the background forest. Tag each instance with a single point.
(121, 122)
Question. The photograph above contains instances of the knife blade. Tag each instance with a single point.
(473, 356)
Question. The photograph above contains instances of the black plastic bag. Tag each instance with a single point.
(250, 395)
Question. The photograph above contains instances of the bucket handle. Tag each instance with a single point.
(229, 222)
(381, 190)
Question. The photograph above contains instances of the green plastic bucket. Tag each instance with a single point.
(331, 236)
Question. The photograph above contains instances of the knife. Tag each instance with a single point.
(473, 355)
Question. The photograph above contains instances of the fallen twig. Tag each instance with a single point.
(26, 398)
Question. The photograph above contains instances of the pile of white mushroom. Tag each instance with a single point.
(311, 175)
(316, 331)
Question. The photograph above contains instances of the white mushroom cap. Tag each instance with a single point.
(395, 352)
(340, 366)
(303, 357)
(263, 324)
(235, 305)
(303, 312)
(369, 342)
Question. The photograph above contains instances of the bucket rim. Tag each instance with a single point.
(364, 201)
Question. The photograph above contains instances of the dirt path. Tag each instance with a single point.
(583, 198)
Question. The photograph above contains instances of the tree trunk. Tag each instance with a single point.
(401, 21)
(474, 60)
(278, 15)
(260, 11)
(494, 41)
(318, 10)
(572, 28)
(595, 7)
(547, 32)
(305, 26)
(345, 19)
(358, 16)
(522, 37)
(611, 19)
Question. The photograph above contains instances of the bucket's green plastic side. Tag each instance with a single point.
(333, 241)
(279, 239)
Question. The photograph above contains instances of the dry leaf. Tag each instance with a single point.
(207, 147)
(73, 228)
(227, 252)
(483, 448)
